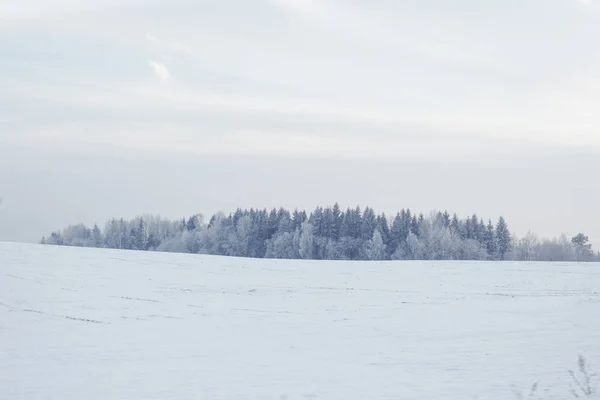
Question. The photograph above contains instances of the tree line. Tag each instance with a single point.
(328, 233)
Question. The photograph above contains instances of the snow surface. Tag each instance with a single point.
(106, 324)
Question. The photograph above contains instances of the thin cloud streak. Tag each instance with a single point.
(160, 70)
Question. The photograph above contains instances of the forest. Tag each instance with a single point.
(329, 233)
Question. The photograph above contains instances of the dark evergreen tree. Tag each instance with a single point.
(384, 229)
(337, 218)
(503, 237)
(446, 219)
(476, 228)
(455, 224)
(490, 240)
(406, 223)
(140, 236)
(272, 223)
(396, 233)
(97, 238)
(239, 213)
(192, 223)
(285, 222)
(368, 225)
(414, 226)
(481, 233)
(467, 229)
(583, 249)
(298, 218)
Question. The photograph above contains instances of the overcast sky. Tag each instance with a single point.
(121, 107)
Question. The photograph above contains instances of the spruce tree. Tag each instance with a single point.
(490, 240)
(414, 226)
(396, 237)
(455, 224)
(446, 219)
(96, 236)
(503, 238)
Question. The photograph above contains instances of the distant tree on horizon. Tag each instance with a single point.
(583, 249)
(503, 238)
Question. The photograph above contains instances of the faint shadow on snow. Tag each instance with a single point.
(53, 315)
(135, 298)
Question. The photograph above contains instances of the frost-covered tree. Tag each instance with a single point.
(284, 245)
(97, 239)
(77, 235)
(528, 248)
(240, 238)
(396, 233)
(438, 241)
(471, 249)
(306, 245)
(375, 248)
(583, 249)
(558, 249)
(490, 241)
(503, 238)
(140, 233)
(414, 249)
(217, 239)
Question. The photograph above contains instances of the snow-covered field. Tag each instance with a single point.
(105, 324)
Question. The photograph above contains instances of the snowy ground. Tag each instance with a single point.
(105, 324)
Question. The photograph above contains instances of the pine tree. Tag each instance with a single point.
(329, 224)
(396, 237)
(583, 249)
(97, 236)
(285, 222)
(503, 238)
(140, 236)
(455, 224)
(191, 224)
(490, 240)
(477, 234)
(337, 218)
(414, 226)
(369, 223)
(384, 229)
(298, 218)
(406, 221)
(446, 219)
(272, 224)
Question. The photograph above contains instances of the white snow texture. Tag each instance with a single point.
(105, 324)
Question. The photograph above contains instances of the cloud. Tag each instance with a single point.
(32, 9)
(550, 120)
(166, 45)
(414, 33)
(160, 70)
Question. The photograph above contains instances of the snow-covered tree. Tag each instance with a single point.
(375, 248)
(528, 247)
(284, 245)
(490, 241)
(503, 238)
(583, 249)
(306, 245)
